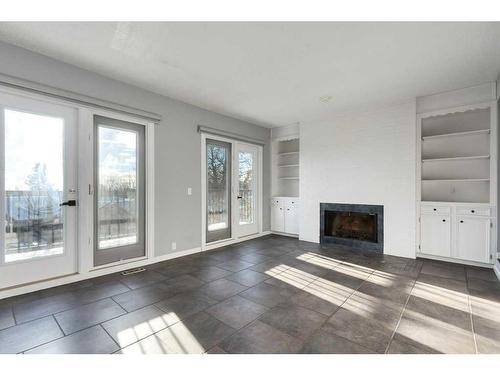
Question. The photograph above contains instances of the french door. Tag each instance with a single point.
(232, 189)
(119, 197)
(246, 188)
(39, 190)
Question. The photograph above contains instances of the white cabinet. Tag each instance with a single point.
(456, 231)
(473, 238)
(284, 215)
(291, 217)
(277, 215)
(435, 235)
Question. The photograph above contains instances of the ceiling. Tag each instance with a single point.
(275, 74)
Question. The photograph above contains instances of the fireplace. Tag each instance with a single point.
(359, 226)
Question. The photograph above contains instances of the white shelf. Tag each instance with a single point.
(288, 165)
(458, 158)
(472, 132)
(288, 178)
(288, 153)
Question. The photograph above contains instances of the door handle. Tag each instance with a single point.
(71, 203)
(239, 197)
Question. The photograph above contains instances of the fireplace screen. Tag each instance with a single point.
(351, 225)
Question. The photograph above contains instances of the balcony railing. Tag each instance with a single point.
(217, 207)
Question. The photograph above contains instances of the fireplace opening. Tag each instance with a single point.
(351, 225)
(359, 226)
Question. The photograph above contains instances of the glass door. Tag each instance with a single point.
(246, 189)
(218, 207)
(119, 205)
(38, 187)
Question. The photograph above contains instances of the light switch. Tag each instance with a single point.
(190, 191)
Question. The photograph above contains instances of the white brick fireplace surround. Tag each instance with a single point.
(362, 158)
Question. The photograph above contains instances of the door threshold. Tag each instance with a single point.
(231, 241)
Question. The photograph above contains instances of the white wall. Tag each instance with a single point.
(363, 158)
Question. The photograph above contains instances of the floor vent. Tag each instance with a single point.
(135, 270)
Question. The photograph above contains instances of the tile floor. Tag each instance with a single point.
(269, 295)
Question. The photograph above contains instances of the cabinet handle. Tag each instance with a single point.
(444, 220)
(472, 211)
(461, 221)
(434, 209)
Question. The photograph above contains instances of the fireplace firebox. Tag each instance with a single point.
(359, 226)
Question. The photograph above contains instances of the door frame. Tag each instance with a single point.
(259, 205)
(87, 189)
(104, 256)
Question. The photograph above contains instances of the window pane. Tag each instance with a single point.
(117, 200)
(34, 181)
(246, 189)
(217, 187)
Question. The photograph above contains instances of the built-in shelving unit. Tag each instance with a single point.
(455, 156)
(286, 167)
(457, 169)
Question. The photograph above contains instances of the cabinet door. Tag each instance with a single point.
(291, 218)
(277, 216)
(435, 235)
(473, 239)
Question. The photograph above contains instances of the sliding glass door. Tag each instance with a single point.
(38, 188)
(218, 190)
(119, 206)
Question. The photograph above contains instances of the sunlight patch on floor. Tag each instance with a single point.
(295, 277)
(441, 296)
(143, 329)
(176, 339)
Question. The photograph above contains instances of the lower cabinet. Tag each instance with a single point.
(473, 238)
(277, 216)
(284, 215)
(435, 234)
(456, 232)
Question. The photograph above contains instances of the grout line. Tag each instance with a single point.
(59, 325)
(112, 339)
(48, 342)
(469, 305)
(401, 315)
(340, 306)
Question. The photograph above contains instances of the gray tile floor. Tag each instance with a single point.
(270, 295)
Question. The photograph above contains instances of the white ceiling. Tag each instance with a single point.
(274, 74)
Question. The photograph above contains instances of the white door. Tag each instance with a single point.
(277, 215)
(435, 235)
(245, 189)
(473, 239)
(292, 217)
(38, 188)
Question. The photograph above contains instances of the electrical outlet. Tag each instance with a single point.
(174, 245)
(190, 191)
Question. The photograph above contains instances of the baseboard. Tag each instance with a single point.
(102, 271)
(285, 234)
(458, 261)
(50, 283)
(496, 268)
(232, 241)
